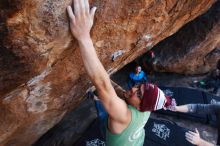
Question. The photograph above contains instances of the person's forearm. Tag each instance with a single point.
(182, 108)
(205, 143)
(204, 108)
(191, 108)
(93, 66)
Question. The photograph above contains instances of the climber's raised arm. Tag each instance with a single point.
(81, 22)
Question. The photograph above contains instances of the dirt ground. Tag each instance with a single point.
(207, 132)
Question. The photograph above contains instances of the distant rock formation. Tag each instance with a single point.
(195, 48)
(41, 71)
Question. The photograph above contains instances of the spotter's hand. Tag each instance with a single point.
(193, 137)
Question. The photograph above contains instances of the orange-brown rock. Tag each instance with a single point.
(195, 48)
(41, 71)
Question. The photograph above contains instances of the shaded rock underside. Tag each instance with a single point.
(195, 48)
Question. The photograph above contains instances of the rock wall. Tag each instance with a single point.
(195, 48)
(71, 127)
(41, 71)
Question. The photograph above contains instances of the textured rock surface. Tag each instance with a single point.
(41, 71)
(71, 127)
(195, 49)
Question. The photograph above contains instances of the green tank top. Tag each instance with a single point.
(134, 134)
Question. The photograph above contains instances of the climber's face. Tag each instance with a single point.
(134, 101)
(133, 96)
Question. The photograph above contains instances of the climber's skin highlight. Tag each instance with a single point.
(125, 122)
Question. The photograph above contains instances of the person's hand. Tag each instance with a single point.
(193, 137)
(127, 94)
(81, 20)
(134, 89)
(130, 92)
(172, 106)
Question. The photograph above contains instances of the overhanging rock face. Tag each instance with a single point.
(195, 48)
(41, 71)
